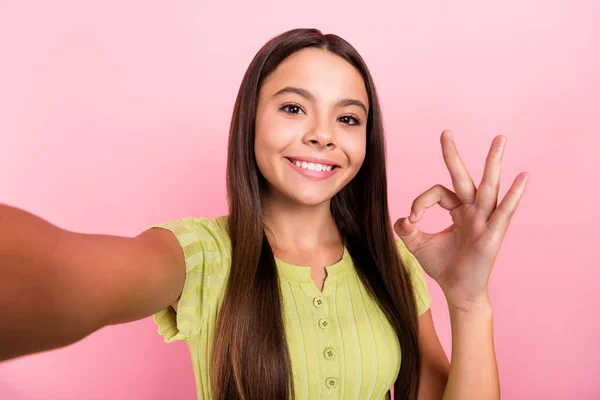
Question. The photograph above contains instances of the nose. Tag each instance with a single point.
(322, 137)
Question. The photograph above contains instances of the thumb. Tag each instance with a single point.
(408, 232)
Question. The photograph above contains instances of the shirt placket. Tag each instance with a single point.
(326, 348)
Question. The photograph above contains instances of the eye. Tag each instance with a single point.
(346, 118)
(291, 108)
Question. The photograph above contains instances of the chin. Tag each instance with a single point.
(307, 197)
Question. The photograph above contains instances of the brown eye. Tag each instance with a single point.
(347, 118)
(292, 108)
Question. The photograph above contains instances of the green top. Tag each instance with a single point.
(340, 343)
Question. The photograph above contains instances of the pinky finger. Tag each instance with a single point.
(506, 209)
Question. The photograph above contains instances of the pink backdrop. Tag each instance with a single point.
(104, 106)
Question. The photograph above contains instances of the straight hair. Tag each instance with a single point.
(250, 358)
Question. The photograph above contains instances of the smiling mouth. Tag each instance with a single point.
(312, 166)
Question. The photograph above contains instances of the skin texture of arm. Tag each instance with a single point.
(59, 286)
(435, 366)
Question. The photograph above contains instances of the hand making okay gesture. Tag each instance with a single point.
(460, 258)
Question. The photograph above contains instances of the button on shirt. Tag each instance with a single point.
(348, 348)
(341, 345)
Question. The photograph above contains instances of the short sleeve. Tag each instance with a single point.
(416, 274)
(204, 249)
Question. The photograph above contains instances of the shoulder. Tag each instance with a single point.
(199, 233)
(204, 241)
(207, 252)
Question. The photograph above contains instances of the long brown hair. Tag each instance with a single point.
(250, 358)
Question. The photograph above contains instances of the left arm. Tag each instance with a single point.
(473, 373)
(460, 259)
(435, 366)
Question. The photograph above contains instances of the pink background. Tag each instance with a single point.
(105, 107)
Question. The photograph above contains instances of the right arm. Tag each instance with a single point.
(58, 286)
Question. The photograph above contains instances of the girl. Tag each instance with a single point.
(302, 291)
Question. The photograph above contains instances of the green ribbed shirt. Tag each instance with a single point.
(340, 343)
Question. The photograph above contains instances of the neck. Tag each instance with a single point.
(295, 226)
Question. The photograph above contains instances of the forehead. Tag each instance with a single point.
(326, 75)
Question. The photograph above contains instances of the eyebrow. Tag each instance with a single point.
(309, 96)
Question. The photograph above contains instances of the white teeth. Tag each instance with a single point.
(313, 166)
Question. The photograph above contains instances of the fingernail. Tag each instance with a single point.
(412, 217)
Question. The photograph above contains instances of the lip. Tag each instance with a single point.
(312, 174)
(314, 160)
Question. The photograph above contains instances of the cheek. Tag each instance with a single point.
(270, 143)
(261, 151)
(356, 149)
(272, 139)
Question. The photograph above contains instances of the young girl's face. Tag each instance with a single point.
(311, 126)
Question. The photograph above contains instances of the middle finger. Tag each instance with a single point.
(461, 179)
